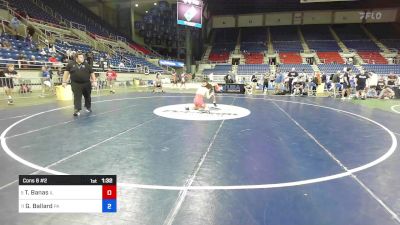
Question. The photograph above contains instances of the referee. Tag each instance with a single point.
(82, 79)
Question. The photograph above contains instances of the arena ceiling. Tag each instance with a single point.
(218, 7)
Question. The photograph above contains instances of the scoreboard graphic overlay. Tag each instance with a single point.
(190, 13)
(67, 193)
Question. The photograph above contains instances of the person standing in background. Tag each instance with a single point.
(346, 83)
(183, 80)
(291, 75)
(6, 81)
(111, 76)
(82, 79)
(266, 79)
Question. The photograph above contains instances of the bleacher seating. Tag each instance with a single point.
(354, 37)
(350, 32)
(20, 48)
(287, 46)
(333, 68)
(316, 32)
(298, 67)
(382, 68)
(324, 45)
(140, 49)
(372, 58)
(286, 39)
(387, 34)
(254, 34)
(251, 69)
(224, 35)
(285, 33)
(73, 11)
(27, 7)
(254, 58)
(224, 43)
(253, 47)
(219, 70)
(319, 38)
(391, 43)
(218, 57)
(64, 46)
(76, 13)
(290, 58)
(361, 45)
(383, 31)
(330, 57)
(253, 40)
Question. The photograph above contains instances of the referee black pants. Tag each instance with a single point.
(80, 89)
(290, 85)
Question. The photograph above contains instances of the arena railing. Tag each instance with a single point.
(77, 26)
(393, 50)
(307, 51)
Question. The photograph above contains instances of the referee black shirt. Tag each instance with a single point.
(79, 73)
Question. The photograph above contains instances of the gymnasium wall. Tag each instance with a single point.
(307, 17)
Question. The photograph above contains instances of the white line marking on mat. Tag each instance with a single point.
(66, 122)
(385, 156)
(47, 170)
(332, 156)
(393, 108)
(182, 194)
(14, 117)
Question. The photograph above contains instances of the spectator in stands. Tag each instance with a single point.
(7, 77)
(89, 58)
(228, 79)
(266, 80)
(69, 54)
(279, 82)
(14, 23)
(53, 59)
(336, 83)
(30, 30)
(45, 80)
(350, 61)
(64, 58)
(291, 75)
(6, 45)
(157, 83)
(311, 83)
(43, 52)
(373, 80)
(120, 66)
(211, 77)
(254, 81)
(361, 85)
(52, 49)
(60, 73)
(111, 76)
(345, 80)
(32, 62)
(22, 63)
(174, 79)
(391, 79)
(183, 78)
(386, 93)
(380, 85)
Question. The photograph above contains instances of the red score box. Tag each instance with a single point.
(109, 191)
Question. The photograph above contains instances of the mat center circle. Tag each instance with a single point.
(186, 112)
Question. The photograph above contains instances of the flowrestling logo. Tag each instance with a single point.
(187, 112)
